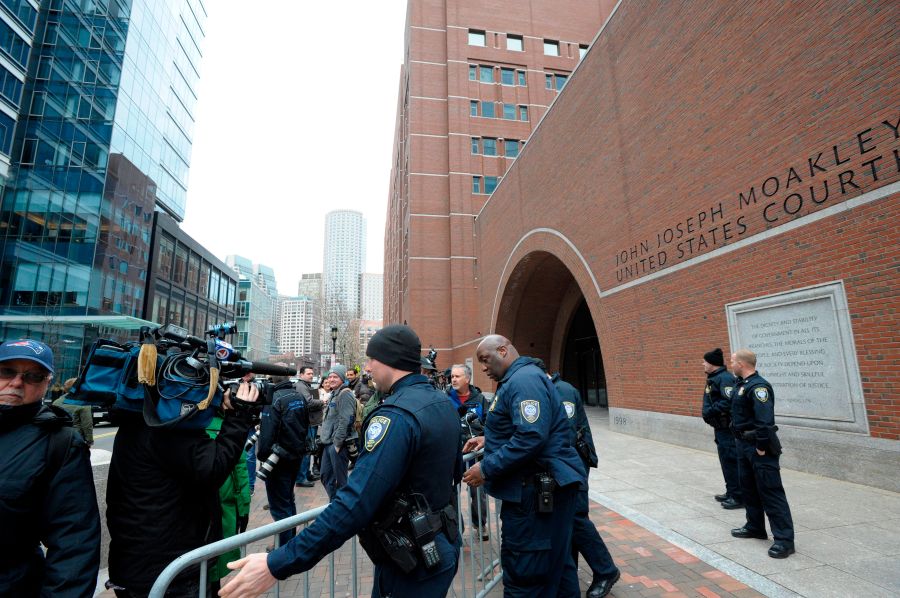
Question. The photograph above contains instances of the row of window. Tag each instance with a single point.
(10, 87)
(516, 43)
(485, 74)
(487, 146)
(182, 266)
(555, 81)
(13, 46)
(498, 110)
(485, 184)
(23, 11)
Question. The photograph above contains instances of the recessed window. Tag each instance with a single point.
(511, 148)
(507, 76)
(487, 110)
(514, 43)
(490, 146)
(523, 113)
(509, 111)
(521, 78)
(561, 81)
(548, 81)
(476, 145)
(582, 50)
(476, 184)
(473, 108)
(476, 38)
(551, 48)
(473, 72)
(486, 74)
(490, 183)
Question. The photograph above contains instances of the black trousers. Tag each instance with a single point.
(728, 460)
(763, 492)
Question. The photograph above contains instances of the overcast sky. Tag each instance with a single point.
(295, 118)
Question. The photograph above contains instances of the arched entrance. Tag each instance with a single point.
(544, 313)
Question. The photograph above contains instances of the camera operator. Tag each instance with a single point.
(472, 408)
(283, 428)
(163, 495)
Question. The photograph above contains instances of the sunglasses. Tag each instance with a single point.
(27, 377)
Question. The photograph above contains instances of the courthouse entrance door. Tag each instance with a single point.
(582, 361)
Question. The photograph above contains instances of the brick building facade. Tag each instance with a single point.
(700, 160)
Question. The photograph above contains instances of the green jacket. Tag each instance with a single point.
(235, 498)
(373, 402)
(82, 418)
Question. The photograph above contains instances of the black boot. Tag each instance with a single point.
(601, 587)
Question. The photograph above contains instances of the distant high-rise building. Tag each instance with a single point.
(240, 264)
(297, 323)
(310, 286)
(344, 258)
(372, 296)
(254, 311)
(477, 79)
(264, 277)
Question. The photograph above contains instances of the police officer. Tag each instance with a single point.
(585, 537)
(753, 422)
(717, 413)
(410, 456)
(530, 465)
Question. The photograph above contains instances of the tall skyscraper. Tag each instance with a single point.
(344, 259)
(17, 22)
(310, 286)
(254, 311)
(297, 324)
(477, 79)
(263, 277)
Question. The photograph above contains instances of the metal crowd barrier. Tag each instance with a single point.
(478, 570)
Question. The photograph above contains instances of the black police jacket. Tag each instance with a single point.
(753, 408)
(574, 406)
(284, 423)
(527, 431)
(163, 495)
(717, 398)
(57, 508)
(410, 444)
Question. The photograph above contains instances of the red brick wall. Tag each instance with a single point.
(675, 111)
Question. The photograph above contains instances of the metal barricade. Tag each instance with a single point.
(478, 570)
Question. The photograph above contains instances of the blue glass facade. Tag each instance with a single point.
(100, 139)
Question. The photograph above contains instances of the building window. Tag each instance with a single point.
(490, 146)
(507, 76)
(476, 38)
(487, 109)
(166, 251)
(523, 113)
(476, 145)
(490, 183)
(511, 148)
(521, 78)
(476, 184)
(514, 43)
(473, 108)
(551, 48)
(582, 50)
(179, 273)
(473, 72)
(486, 74)
(548, 81)
(509, 111)
(561, 82)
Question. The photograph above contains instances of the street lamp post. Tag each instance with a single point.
(334, 332)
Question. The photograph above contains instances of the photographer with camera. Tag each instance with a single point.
(399, 497)
(472, 408)
(283, 430)
(316, 409)
(163, 495)
(337, 433)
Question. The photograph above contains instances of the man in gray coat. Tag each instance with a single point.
(337, 430)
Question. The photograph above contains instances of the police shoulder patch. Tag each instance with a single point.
(762, 394)
(377, 430)
(531, 410)
(728, 390)
(570, 408)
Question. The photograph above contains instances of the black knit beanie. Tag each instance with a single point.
(714, 357)
(397, 346)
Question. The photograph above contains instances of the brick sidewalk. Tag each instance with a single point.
(650, 565)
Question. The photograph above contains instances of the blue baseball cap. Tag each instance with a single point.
(35, 351)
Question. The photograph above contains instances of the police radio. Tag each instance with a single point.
(424, 528)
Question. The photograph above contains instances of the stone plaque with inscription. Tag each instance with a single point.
(804, 347)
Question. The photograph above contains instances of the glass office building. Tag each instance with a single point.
(103, 139)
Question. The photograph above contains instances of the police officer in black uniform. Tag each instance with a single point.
(586, 539)
(399, 496)
(753, 423)
(717, 413)
(529, 464)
